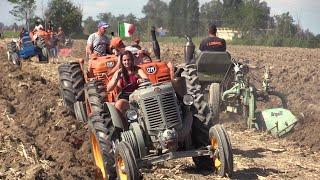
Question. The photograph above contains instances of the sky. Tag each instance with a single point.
(306, 12)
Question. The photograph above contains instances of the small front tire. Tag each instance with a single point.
(126, 164)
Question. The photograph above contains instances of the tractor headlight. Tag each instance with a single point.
(188, 99)
(132, 114)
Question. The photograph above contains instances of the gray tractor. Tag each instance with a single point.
(160, 125)
(224, 82)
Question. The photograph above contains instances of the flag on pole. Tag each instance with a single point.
(126, 29)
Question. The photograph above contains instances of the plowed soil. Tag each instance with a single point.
(39, 140)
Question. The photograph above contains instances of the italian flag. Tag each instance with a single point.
(126, 29)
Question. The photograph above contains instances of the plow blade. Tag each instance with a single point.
(277, 121)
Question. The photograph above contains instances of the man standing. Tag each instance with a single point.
(98, 43)
(212, 43)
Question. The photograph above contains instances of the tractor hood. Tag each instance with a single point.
(151, 90)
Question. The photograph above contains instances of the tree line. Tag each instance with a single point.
(179, 17)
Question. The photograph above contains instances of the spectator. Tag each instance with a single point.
(136, 43)
(98, 43)
(61, 37)
(53, 48)
(118, 47)
(38, 26)
(212, 43)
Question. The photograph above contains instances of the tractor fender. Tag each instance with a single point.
(115, 116)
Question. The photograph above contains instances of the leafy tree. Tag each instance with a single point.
(63, 13)
(23, 9)
(285, 26)
(156, 11)
(254, 15)
(183, 17)
(90, 25)
(192, 17)
(212, 12)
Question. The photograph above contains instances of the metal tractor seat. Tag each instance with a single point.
(213, 66)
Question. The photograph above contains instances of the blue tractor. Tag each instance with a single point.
(27, 50)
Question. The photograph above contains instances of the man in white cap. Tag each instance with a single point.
(98, 42)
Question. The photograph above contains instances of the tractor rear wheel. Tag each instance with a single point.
(80, 111)
(200, 108)
(44, 55)
(103, 132)
(214, 99)
(72, 83)
(15, 59)
(9, 56)
(43, 50)
(126, 165)
(203, 117)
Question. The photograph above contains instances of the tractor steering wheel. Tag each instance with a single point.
(123, 94)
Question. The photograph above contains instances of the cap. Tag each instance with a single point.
(103, 24)
(116, 42)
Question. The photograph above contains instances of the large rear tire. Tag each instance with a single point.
(43, 50)
(103, 132)
(214, 99)
(15, 59)
(200, 108)
(203, 117)
(126, 164)
(72, 83)
(44, 55)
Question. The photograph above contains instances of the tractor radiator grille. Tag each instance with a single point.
(162, 112)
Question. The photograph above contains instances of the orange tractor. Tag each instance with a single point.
(73, 79)
(41, 39)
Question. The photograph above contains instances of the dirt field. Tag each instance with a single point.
(38, 140)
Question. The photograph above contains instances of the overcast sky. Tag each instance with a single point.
(307, 12)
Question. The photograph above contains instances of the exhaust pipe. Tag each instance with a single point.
(155, 44)
(189, 51)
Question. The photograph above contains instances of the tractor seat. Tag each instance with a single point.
(212, 66)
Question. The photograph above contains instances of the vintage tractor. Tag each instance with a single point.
(13, 53)
(161, 124)
(41, 39)
(226, 85)
(73, 78)
(24, 49)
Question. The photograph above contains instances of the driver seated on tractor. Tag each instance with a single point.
(119, 47)
(98, 42)
(24, 38)
(38, 26)
(127, 78)
(213, 43)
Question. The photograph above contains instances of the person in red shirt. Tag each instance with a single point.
(126, 78)
(213, 43)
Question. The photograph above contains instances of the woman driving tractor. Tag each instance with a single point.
(126, 78)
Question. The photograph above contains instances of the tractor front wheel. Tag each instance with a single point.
(222, 151)
(104, 134)
(126, 165)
